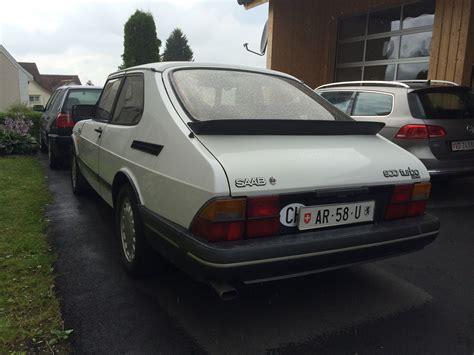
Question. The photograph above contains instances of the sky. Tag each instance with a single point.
(86, 37)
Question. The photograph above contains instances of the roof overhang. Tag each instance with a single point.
(249, 4)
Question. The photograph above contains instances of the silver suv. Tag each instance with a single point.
(432, 119)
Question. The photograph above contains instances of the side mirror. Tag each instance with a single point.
(83, 112)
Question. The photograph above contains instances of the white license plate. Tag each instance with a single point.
(462, 145)
(336, 215)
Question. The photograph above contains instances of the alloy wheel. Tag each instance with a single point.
(127, 230)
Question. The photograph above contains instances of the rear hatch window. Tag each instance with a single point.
(81, 97)
(451, 111)
(442, 103)
(215, 94)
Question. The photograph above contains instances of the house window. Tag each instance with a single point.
(391, 44)
(34, 99)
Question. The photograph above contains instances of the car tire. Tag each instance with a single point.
(53, 161)
(79, 183)
(42, 145)
(135, 252)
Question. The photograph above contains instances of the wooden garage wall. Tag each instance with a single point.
(452, 45)
(303, 36)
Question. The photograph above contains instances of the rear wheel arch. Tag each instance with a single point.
(120, 179)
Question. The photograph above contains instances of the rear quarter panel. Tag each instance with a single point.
(176, 183)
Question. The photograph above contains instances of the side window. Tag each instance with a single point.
(129, 108)
(340, 99)
(106, 101)
(50, 101)
(372, 104)
(56, 105)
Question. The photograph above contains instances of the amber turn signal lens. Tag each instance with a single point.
(421, 191)
(224, 210)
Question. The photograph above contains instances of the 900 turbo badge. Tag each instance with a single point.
(254, 181)
(414, 173)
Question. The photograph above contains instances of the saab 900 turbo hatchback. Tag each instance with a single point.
(245, 175)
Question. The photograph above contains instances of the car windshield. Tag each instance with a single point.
(81, 97)
(449, 104)
(212, 94)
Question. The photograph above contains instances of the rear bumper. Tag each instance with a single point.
(61, 145)
(286, 255)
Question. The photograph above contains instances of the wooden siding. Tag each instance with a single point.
(452, 48)
(303, 37)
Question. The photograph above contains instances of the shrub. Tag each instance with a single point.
(18, 108)
(27, 113)
(15, 137)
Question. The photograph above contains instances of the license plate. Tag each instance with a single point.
(462, 145)
(336, 215)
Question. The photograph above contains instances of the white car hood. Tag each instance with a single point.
(305, 163)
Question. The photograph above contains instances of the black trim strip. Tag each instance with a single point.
(285, 127)
(150, 148)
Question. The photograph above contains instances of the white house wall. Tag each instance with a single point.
(9, 83)
(35, 90)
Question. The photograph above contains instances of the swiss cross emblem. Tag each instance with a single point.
(307, 218)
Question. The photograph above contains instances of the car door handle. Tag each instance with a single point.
(99, 130)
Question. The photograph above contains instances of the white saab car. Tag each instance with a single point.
(237, 175)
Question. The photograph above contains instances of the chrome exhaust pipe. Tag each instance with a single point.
(225, 291)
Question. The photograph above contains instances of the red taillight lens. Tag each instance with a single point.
(408, 201)
(234, 219)
(413, 131)
(416, 208)
(63, 120)
(218, 231)
(420, 131)
(266, 227)
(221, 220)
(436, 132)
(267, 206)
(402, 193)
(263, 216)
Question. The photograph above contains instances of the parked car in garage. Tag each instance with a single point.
(238, 174)
(57, 121)
(432, 119)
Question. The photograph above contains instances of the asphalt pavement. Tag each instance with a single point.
(421, 303)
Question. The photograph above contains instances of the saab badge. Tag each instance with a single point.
(254, 181)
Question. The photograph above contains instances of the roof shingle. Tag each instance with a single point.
(50, 82)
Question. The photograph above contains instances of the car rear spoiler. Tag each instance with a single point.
(285, 127)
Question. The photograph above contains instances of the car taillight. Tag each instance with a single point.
(263, 216)
(420, 131)
(63, 120)
(221, 220)
(436, 132)
(235, 219)
(408, 201)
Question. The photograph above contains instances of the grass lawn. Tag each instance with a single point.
(30, 318)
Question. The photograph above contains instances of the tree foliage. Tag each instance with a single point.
(177, 47)
(141, 44)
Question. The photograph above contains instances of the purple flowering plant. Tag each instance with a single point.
(18, 124)
(14, 137)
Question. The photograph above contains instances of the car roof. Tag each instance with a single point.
(390, 86)
(162, 66)
(80, 87)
